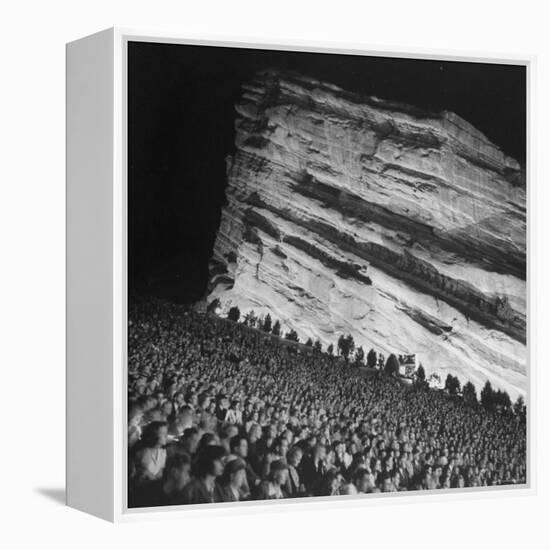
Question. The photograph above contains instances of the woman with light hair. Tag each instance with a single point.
(150, 457)
(135, 415)
(273, 487)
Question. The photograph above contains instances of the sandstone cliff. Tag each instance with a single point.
(349, 214)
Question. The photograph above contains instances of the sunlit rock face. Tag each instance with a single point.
(349, 214)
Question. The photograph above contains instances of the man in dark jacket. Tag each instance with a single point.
(313, 467)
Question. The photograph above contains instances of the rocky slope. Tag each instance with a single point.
(349, 214)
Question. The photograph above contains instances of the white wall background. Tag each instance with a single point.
(32, 66)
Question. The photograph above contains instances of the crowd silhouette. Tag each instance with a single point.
(219, 412)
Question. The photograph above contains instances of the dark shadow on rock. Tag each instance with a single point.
(55, 494)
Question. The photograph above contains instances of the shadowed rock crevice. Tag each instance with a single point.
(488, 310)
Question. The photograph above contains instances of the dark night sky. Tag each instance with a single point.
(180, 128)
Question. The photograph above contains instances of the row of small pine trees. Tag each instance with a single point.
(490, 399)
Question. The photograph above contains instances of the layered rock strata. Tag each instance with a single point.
(349, 214)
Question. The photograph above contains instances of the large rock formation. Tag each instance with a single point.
(349, 214)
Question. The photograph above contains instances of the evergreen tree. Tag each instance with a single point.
(506, 401)
(276, 330)
(346, 346)
(392, 365)
(359, 356)
(457, 386)
(488, 397)
(350, 343)
(292, 335)
(420, 378)
(452, 384)
(519, 406)
(318, 346)
(340, 344)
(371, 359)
(469, 394)
(234, 314)
(330, 349)
(449, 382)
(309, 343)
(266, 326)
(502, 401)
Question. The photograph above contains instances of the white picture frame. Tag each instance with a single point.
(97, 280)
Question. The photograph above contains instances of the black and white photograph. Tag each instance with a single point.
(274, 275)
(327, 275)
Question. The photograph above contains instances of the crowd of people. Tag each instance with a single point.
(218, 412)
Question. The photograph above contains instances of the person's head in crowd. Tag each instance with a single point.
(288, 434)
(278, 472)
(294, 456)
(376, 465)
(361, 480)
(329, 484)
(239, 446)
(280, 447)
(234, 473)
(140, 387)
(155, 435)
(396, 479)
(166, 409)
(206, 440)
(254, 432)
(179, 399)
(270, 433)
(159, 396)
(190, 440)
(192, 400)
(204, 401)
(209, 462)
(177, 472)
(206, 422)
(229, 431)
(223, 402)
(211, 408)
(135, 414)
(154, 415)
(144, 401)
(387, 484)
(319, 452)
(184, 417)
